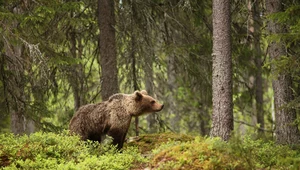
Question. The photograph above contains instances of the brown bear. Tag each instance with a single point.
(112, 117)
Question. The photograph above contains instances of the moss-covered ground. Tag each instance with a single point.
(152, 151)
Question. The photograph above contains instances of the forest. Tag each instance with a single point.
(227, 72)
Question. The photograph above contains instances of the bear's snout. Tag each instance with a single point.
(162, 106)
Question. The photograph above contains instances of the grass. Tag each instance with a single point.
(153, 151)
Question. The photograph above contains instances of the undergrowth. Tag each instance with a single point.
(213, 153)
(61, 151)
(156, 151)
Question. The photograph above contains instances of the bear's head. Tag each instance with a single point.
(142, 103)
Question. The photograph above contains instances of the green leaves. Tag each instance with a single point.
(61, 151)
(213, 153)
(291, 22)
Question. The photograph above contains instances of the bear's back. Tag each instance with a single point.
(79, 120)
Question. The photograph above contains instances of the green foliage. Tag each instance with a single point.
(163, 151)
(44, 30)
(148, 142)
(213, 153)
(257, 154)
(62, 151)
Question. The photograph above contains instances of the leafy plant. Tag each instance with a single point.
(213, 153)
(62, 151)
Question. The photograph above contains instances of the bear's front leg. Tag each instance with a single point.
(118, 137)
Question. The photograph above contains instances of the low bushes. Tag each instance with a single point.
(213, 153)
(156, 151)
(61, 151)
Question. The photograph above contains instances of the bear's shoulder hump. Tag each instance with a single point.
(117, 96)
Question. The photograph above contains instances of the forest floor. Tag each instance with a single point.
(151, 151)
(148, 144)
(178, 151)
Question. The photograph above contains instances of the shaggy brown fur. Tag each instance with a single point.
(112, 117)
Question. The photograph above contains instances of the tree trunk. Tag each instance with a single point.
(149, 89)
(15, 85)
(222, 118)
(30, 126)
(107, 45)
(21, 121)
(254, 8)
(204, 120)
(134, 77)
(172, 110)
(286, 130)
(171, 35)
(76, 74)
(133, 59)
(17, 123)
(16, 89)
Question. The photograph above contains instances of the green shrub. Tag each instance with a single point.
(259, 154)
(62, 151)
(148, 142)
(163, 151)
(213, 153)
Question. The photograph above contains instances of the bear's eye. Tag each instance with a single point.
(152, 102)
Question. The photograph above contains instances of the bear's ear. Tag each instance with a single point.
(144, 92)
(138, 96)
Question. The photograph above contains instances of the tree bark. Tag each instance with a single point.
(222, 118)
(175, 120)
(149, 88)
(17, 64)
(204, 117)
(15, 84)
(134, 77)
(254, 9)
(286, 131)
(133, 59)
(76, 75)
(107, 45)
(16, 88)
(170, 39)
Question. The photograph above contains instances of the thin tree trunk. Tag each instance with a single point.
(107, 43)
(222, 118)
(171, 98)
(133, 59)
(134, 78)
(204, 120)
(259, 93)
(30, 126)
(172, 84)
(255, 23)
(171, 37)
(73, 77)
(21, 122)
(149, 88)
(76, 73)
(16, 89)
(15, 86)
(17, 123)
(286, 131)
